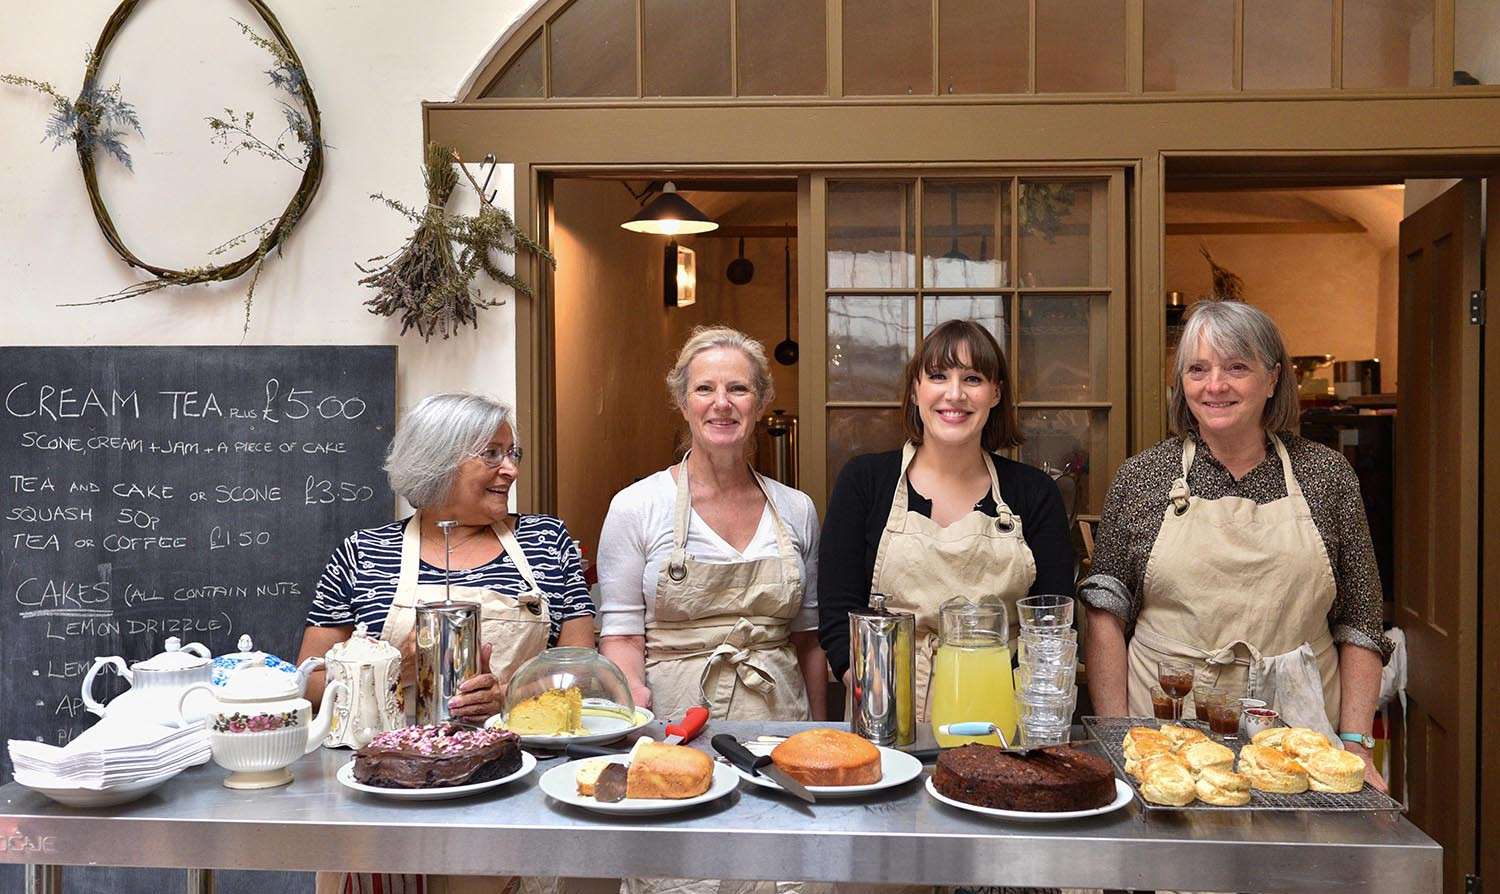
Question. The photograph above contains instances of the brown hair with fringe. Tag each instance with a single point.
(945, 348)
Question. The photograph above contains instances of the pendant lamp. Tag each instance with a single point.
(669, 214)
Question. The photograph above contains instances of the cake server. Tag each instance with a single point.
(759, 765)
(692, 724)
(982, 728)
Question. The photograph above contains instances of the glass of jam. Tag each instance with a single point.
(1224, 716)
(1176, 679)
(1203, 699)
(1162, 705)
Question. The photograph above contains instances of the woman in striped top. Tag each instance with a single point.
(455, 457)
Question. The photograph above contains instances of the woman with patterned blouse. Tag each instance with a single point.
(1235, 544)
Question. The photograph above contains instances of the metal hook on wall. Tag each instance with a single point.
(488, 164)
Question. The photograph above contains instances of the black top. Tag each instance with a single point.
(856, 517)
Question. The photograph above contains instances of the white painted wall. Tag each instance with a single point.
(371, 63)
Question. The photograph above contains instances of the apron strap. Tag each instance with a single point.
(1180, 491)
(676, 567)
(739, 653)
(895, 520)
(533, 598)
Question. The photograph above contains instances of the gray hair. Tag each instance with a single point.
(435, 438)
(706, 338)
(1239, 330)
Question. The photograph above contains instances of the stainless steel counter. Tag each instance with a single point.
(900, 835)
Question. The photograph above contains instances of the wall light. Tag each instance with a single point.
(680, 276)
(669, 214)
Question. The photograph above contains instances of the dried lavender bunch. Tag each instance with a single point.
(1226, 283)
(95, 122)
(428, 284)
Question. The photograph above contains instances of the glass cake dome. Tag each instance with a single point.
(570, 694)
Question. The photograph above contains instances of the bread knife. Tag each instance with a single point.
(692, 723)
(759, 765)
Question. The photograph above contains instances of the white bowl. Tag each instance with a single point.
(102, 797)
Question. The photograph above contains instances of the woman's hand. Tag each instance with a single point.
(1372, 775)
(480, 697)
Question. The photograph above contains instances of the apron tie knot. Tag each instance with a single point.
(738, 652)
(1179, 495)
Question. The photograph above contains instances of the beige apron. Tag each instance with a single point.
(516, 626)
(1237, 587)
(920, 564)
(720, 638)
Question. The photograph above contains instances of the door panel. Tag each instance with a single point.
(1437, 448)
(1489, 672)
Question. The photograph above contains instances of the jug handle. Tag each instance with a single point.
(88, 681)
(309, 665)
(198, 649)
(182, 700)
(320, 724)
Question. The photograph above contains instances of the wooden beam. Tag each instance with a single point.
(1264, 228)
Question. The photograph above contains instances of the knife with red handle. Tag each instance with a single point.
(692, 723)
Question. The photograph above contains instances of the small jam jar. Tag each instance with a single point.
(1254, 720)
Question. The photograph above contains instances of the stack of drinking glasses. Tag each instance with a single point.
(1047, 653)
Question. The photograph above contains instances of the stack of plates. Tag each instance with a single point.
(113, 762)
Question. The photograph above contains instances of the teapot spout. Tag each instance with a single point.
(320, 724)
(304, 670)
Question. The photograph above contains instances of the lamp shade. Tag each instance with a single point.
(669, 214)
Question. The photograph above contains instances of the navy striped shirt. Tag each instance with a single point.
(360, 580)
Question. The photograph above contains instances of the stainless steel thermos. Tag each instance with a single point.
(447, 654)
(882, 672)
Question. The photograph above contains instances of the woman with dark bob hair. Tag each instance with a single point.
(946, 515)
(1238, 547)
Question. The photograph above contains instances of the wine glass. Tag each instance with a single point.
(1176, 679)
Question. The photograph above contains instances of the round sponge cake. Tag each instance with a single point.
(828, 757)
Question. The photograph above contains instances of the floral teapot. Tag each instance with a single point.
(227, 662)
(259, 725)
(370, 669)
(156, 685)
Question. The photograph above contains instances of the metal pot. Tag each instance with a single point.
(740, 269)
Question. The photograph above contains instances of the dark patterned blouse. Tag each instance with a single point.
(1138, 498)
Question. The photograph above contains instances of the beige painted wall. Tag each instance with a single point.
(616, 341)
(1332, 293)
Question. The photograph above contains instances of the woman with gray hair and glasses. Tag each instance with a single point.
(454, 458)
(1238, 547)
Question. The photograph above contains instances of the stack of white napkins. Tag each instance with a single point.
(110, 754)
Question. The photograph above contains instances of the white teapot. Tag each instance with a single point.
(370, 669)
(258, 724)
(222, 665)
(156, 685)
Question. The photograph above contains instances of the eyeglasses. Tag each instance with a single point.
(493, 456)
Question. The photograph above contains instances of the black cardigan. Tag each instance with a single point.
(857, 512)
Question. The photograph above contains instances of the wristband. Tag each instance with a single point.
(1361, 738)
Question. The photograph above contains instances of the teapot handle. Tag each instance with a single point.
(182, 700)
(88, 681)
(320, 724)
(198, 649)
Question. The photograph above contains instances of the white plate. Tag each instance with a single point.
(896, 768)
(1122, 797)
(346, 777)
(105, 797)
(560, 784)
(603, 727)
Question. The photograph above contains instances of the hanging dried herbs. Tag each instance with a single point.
(429, 281)
(95, 122)
(1226, 283)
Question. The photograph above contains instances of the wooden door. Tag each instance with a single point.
(1489, 672)
(1437, 507)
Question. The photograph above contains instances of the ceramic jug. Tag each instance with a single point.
(156, 685)
(258, 724)
(223, 664)
(370, 670)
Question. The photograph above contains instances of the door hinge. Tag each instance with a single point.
(1476, 307)
(1473, 884)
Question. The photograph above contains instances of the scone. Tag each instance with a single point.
(1334, 770)
(659, 770)
(1139, 738)
(587, 775)
(1146, 748)
(1301, 742)
(1271, 771)
(1222, 787)
(1168, 782)
(1139, 768)
(1181, 735)
(1206, 753)
(1271, 738)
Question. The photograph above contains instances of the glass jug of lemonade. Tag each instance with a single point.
(971, 675)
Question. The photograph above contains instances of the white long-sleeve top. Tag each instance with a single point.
(637, 541)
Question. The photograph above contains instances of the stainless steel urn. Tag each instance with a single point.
(447, 654)
(882, 674)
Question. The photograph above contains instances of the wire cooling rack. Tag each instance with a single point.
(1110, 733)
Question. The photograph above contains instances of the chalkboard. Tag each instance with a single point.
(194, 492)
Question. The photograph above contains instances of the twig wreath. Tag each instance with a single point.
(92, 123)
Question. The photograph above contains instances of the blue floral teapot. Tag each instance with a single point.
(224, 664)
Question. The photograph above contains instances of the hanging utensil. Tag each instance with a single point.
(786, 352)
(953, 254)
(740, 269)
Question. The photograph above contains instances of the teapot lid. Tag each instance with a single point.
(246, 647)
(361, 647)
(174, 658)
(254, 681)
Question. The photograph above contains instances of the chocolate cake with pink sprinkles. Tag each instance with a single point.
(437, 756)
